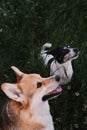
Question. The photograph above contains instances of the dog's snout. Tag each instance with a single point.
(57, 78)
(76, 50)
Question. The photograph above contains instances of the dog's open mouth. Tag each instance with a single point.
(75, 55)
(68, 57)
(53, 94)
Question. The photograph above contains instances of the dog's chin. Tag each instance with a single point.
(52, 94)
(75, 56)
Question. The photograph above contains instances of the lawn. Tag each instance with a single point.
(25, 25)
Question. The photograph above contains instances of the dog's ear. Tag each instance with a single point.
(13, 92)
(17, 72)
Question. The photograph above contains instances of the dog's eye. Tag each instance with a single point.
(68, 46)
(39, 84)
(65, 47)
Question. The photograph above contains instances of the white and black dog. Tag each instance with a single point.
(59, 60)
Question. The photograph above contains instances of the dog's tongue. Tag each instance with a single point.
(53, 94)
(57, 90)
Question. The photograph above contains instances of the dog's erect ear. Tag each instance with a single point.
(13, 92)
(17, 72)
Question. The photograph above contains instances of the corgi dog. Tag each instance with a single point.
(28, 108)
(59, 61)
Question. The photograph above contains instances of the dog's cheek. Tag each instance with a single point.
(26, 102)
(65, 58)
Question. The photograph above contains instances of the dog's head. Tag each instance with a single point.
(31, 87)
(65, 53)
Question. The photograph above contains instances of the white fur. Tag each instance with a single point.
(46, 57)
(64, 70)
(59, 69)
(32, 109)
(42, 111)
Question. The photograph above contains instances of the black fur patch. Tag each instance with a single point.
(59, 54)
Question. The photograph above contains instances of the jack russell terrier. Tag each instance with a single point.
(59, 61)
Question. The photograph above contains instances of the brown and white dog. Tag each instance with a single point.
(29, 108)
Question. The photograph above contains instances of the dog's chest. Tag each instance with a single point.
(42, 115)
(68, 69)
(47, 121)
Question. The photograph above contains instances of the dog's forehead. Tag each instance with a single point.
(28, 83)
(66, 47)
(31, 77)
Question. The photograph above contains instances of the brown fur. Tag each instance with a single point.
(18, 114)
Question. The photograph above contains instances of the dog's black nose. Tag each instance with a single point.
(57, 78)
(76, 50)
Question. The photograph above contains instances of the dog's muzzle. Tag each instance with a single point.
(55, 92)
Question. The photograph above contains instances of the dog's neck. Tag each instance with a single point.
(9, 118)
(65, 70)
(39, 109)
(18, 116)
(68, 68)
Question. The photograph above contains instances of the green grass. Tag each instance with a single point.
(25, 25)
